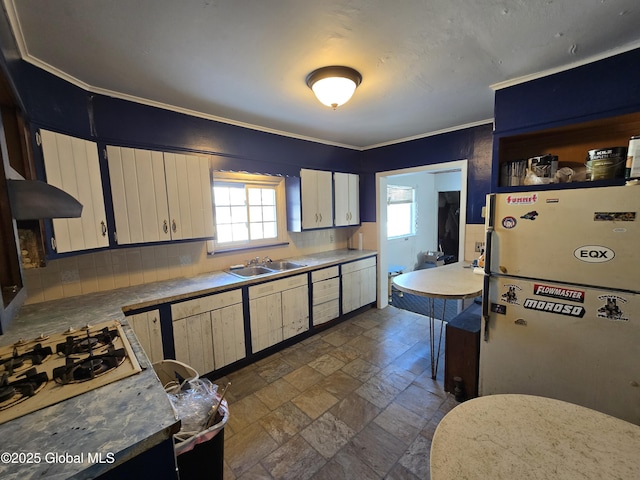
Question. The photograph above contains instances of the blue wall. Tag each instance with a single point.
(55, 104)
(600, 89)
(473, 144)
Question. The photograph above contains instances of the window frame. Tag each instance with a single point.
(413, 207)
(254, 180)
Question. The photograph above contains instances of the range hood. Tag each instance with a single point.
(33, 200)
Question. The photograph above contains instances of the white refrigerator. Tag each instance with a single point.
(561, 306)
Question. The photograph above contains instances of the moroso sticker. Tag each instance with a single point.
(614, 216)
(611, 309)
(554, 307)
(497, 308)
(558, 292)
(511, 295)
(509, 222)
(522, 199)
(594, 254)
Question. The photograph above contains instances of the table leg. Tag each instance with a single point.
(391, 275)
(435, 356)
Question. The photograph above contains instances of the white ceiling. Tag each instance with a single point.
(427, 65)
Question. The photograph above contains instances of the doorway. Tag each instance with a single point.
(453, 177)
(449, 224)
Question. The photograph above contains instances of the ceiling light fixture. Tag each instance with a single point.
(334, 85)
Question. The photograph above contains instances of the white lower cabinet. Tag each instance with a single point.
(358, 284)
(208, 332)
(278, 310)
(146, 326)
(325, 286)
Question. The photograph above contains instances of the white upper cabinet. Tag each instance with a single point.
(139, 195)
(73, 165)
(159, 196)
(347, 199)
(317, 199)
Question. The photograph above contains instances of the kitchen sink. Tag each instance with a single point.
(258, 270)
(283, 265)
(251, 271)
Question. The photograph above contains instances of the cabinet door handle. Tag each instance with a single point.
(174, 227)
(53, 244)
(155, 320)
(165, 227)
(320, 218)
(104, 228)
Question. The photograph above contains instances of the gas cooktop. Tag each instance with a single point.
(43, 371)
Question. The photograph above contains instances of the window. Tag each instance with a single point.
(400, 211)
(249, 210)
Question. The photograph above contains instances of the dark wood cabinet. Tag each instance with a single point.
(11, 286)
(462, 352)
(570, 143)
(15, 162)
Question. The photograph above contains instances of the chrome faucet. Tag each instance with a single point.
(254, 261)
(266, 260)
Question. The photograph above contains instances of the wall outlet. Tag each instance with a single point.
(479, 247)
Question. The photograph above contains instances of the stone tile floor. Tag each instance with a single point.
(354, 402)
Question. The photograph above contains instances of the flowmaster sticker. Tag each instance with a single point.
(554, 307)
(611, 309)
(558, 292)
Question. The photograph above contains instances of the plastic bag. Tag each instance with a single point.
(185, 445)
(192, 405)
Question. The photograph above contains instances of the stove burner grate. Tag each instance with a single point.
(86, 343)
(26, 386)
(36, 356)
(80, 370)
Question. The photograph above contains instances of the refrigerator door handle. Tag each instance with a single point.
(491, 201)
(485, 307)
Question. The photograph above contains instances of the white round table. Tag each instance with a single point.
(508, 437)
(449, 282)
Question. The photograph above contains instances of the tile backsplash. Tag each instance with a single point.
(120, 268)
(124, 267)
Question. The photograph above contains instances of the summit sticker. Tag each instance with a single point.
(522, 199)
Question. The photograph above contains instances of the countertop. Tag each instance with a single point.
(127, 417)
(453, 281)
(504, 437)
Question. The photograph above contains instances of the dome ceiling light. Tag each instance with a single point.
(335, 85)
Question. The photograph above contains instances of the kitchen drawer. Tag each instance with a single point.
(319, 275)
(269, 288)
(358, 265)
(326, 290)
(205, 304)
(326, 311)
